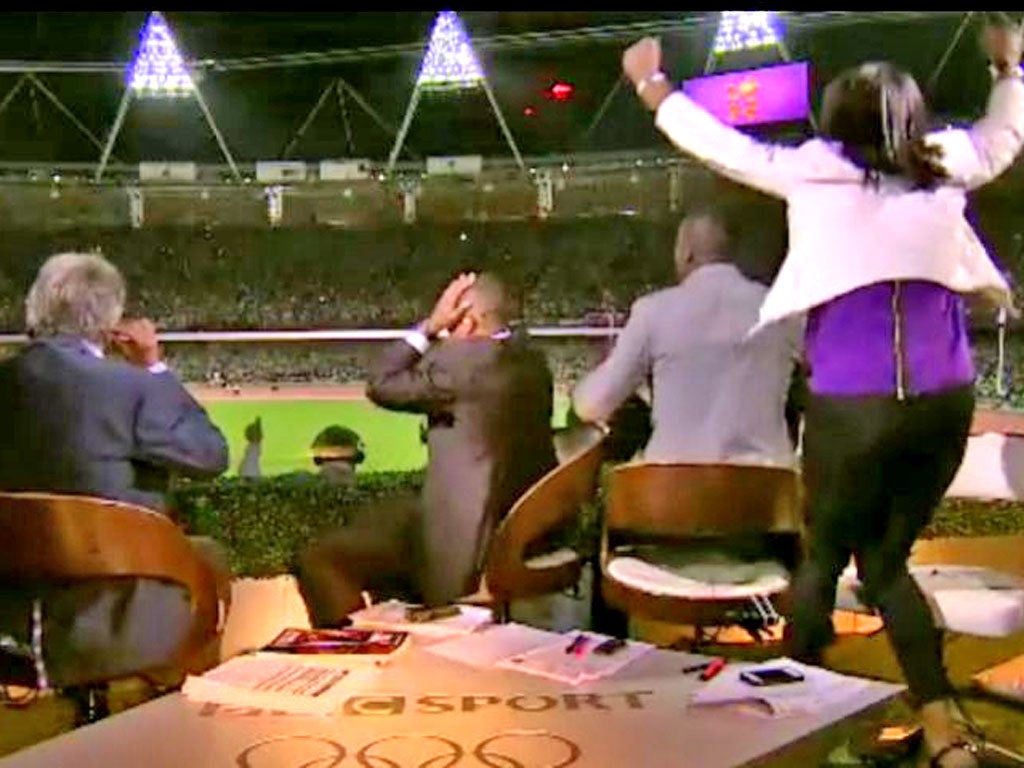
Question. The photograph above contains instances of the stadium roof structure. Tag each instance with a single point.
(63, 79)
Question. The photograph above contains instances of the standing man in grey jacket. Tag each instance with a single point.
(719, 395)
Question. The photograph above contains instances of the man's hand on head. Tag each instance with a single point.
(136, 340)
(452, 306)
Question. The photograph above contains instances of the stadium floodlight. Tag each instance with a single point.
(450, 61)
(157, 69)
(746, 30)
(450, 64)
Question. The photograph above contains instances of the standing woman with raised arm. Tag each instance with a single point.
(880, 254)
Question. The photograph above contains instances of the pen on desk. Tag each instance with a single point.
(696, 668)
(610, 646)
(336, 677)
(577, 645)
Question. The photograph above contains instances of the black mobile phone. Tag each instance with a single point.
(771, 676)
(609, 647)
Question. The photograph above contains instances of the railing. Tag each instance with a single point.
(367, 334)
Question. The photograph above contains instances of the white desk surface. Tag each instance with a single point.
(427, 712)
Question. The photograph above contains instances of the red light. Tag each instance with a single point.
(530, 112)
(562, 91)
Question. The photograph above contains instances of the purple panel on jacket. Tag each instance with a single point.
(851, 347)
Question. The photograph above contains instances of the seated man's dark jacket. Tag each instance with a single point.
(76, 423)
(488, 403)
(71, 422)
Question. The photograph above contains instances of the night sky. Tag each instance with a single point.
(260, 110)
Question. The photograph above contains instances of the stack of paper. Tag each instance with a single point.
(574, 661)
(819, 689)
(391, 616)
(301, 687)
(488, 646)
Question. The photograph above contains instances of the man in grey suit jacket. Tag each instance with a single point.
(718, 395)
(487, 395)
(75, 421)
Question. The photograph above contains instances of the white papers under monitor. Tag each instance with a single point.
(819, 690)
(277, 683)
(391, 615)
(485, 648)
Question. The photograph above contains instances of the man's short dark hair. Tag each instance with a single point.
(492, 298)
(723, 215)
(715, 243)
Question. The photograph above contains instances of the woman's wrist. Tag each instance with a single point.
(654, 90)
(644, 83)
(1003, 69)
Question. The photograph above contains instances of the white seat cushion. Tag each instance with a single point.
(986, 613)
(991, 468)
(558, 557)
(697, 575)
(970, 600)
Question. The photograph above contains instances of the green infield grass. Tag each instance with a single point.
(289, 426)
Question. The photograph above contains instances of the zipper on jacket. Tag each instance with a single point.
(897, 343)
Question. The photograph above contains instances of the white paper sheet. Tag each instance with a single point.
(485, 648)
(818, 690)
(553, 659)
(275, 683)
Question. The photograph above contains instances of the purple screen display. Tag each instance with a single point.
(755, 96)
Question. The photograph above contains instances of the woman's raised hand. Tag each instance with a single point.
(642, 59)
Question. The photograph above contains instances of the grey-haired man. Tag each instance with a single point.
(77, 421)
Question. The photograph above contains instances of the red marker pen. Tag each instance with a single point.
(714, 667)
(578, 645)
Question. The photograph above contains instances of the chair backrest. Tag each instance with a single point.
(58, 537)
(572, 442)
(552, 501)
(51, 537)
(694, 500)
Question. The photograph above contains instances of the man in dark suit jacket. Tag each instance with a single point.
(75, 421)
(487, 395)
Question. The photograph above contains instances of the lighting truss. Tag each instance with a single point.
(610, 33)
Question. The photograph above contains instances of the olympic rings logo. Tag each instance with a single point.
(507, 749)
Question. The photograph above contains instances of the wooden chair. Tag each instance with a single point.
(553, 501)
(690, 507)
(61, 538)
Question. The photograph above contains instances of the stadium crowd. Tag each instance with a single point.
(208, 278)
